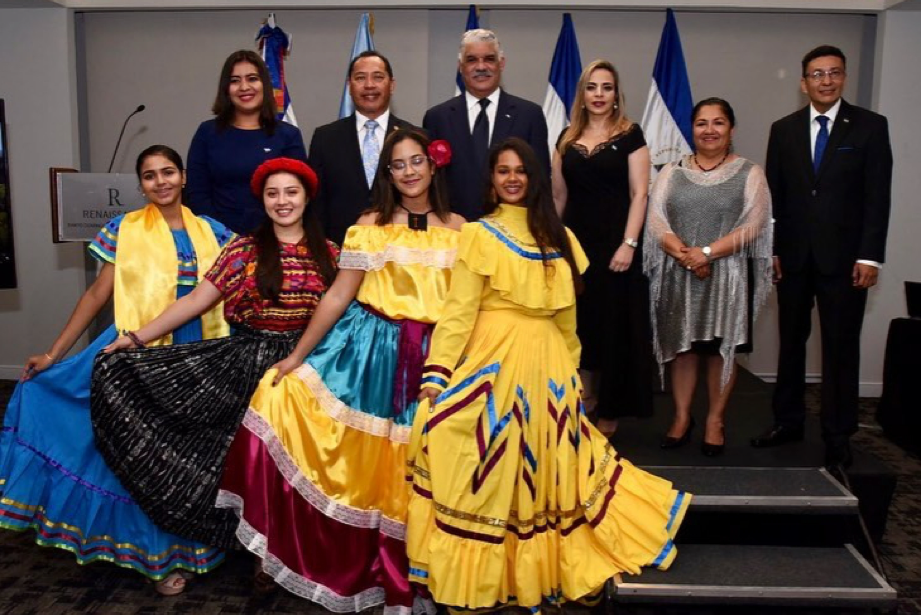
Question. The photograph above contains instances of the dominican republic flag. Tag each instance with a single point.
(363, 42)
(275, 46)
(473, 23)
(667, 118)
(564, 76)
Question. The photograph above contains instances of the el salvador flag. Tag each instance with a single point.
(564, 76)
(667, 118)
(473, 23)
(363, 42)
(275, 46)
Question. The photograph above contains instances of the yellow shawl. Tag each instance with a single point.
(146, 269)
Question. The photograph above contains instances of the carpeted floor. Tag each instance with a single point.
(46, 581)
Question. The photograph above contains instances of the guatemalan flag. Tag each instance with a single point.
(564, 76)
(363, 42)
(275, 46)
(473, 23)
(667, 118)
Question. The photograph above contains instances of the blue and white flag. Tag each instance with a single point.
(473, 23)
(564, 76)
(667, 118)
(363, 42)
(275, 46)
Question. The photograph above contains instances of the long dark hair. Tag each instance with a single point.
(158, 150)
(543, 222)
(385, 198)
(223, 108)
(269, 276)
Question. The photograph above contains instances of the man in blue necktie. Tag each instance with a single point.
(829, 167)
(345, 153)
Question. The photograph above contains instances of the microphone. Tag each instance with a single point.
(122, 134)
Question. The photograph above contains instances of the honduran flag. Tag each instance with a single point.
(363, 42)
(473, 23)
(564, 76)
(667, 118)
(275, 46)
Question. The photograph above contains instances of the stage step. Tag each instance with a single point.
(757, 575)
(760, 489)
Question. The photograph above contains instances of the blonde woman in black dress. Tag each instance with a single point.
(600, 181)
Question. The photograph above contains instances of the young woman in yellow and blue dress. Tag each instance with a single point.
(164, 417)
(52, 478)
(517, 498)
(317, 471)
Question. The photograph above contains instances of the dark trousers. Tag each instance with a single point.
(841, 309)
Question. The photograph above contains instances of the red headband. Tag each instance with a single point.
(286, 165)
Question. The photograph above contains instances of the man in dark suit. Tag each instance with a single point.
(345, 153)
(479, 117)
(829, 167)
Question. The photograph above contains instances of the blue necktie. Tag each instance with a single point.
(371, 151)
(821, 140)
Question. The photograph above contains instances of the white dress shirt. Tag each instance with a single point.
(473, 110)
(380, 132)
(814, 127)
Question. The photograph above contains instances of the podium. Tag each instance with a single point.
(82, 203)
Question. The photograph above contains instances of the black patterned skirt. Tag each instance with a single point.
(165, 417)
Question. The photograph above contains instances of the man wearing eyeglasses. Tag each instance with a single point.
(829, 167)
(345, 153)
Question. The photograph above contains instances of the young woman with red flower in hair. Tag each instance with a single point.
(165, 420)
(317, 472)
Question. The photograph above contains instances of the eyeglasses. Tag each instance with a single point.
(835, 74)
(417, 162)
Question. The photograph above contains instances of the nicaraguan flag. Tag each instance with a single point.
(667, 118)
(564, 76)
(275, 46)
(363, 42)
(473, 23)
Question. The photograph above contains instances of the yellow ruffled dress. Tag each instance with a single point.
(317, 472)
(517, 498)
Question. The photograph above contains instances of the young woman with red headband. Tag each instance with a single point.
(317, 472)
(164, 420)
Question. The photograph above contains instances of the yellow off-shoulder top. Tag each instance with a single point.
(408, 272)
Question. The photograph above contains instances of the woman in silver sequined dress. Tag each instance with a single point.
(708, 258)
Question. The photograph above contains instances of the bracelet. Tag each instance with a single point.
(50, 358)
(630, 241)
(134, 338)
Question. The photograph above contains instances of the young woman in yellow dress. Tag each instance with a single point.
(516, 496)
(317, 471)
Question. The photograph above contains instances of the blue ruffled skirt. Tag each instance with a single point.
(53, 480)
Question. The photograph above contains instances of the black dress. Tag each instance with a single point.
(613, 310)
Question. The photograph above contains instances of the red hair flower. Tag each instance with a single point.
(440, 153)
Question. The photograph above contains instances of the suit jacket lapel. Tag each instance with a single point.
(352, 149)
(840, 128)
(459, 123)
(505, 117)
(392, 124)
(803, 143)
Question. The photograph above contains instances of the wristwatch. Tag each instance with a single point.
(707, 251)
(630, 241)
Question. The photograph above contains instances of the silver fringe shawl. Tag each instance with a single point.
(753, 238)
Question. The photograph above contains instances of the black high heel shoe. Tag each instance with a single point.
(673, 442)
(713, 450)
